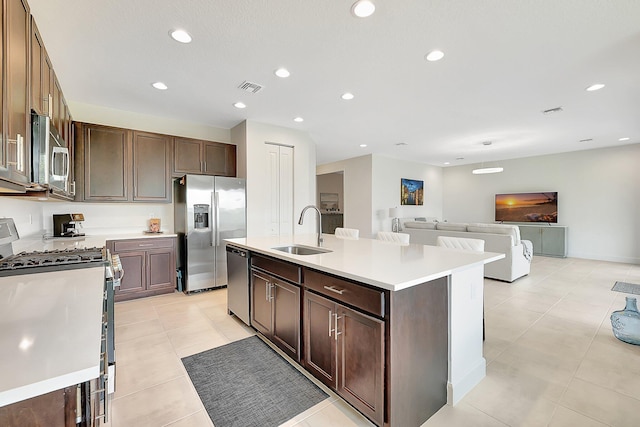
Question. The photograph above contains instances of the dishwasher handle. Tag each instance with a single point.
(236, 251)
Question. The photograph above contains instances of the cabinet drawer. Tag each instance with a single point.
(278, 268)
(141, 244)
(370, 300)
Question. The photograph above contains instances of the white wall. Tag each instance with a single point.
(357, 191)
(304, 177)
(372, 186)
(387, 174)
(27, 214)
(598, 197)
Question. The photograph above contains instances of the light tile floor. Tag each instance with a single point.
(552, 359)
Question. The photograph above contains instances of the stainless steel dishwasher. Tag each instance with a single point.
(238, 283)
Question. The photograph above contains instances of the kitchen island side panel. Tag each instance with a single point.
(417, 353)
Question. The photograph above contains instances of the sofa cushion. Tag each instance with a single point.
(420, 224)
(451, 226)
(511, 230)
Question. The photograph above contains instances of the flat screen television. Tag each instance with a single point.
(527, 207)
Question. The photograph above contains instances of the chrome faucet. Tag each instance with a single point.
(319, 221)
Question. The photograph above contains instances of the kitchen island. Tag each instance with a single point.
(422, 317)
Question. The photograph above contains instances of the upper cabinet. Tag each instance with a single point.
(15, 147)
(121, 165)
(192, 156)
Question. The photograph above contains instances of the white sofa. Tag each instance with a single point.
(500, 238)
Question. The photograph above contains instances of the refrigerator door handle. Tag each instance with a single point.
(217, 216)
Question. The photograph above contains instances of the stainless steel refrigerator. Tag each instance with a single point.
(207, 210)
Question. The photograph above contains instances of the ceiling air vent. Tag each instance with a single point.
(250, 87)
(552, 110)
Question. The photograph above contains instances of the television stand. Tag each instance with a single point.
(548, 240)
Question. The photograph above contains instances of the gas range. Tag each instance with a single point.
(43, 261)
(54, 260)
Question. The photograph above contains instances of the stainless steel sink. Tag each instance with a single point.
(301, 250)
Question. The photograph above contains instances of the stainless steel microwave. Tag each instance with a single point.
(50, 156)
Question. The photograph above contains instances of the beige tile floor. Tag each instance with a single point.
(552, 359)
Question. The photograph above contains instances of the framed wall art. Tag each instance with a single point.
(411, 192)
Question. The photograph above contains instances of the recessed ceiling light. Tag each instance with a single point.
(447, 163)
(363, 8)
(282, 72)
(180, 36)
(160, 86)
(298, 119)
(434, 55)
(363, 145)
(240, 105)
(624, 139)
(596, 86)
(347, 96)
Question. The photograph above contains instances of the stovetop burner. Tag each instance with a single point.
(56, 258)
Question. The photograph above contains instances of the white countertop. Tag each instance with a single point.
(37, 243)
(50, 331)
(382, 264)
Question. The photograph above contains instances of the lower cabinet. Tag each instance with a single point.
(546, 240)
(149, 266)
(276, 311)
(345, 350)
(55, 409)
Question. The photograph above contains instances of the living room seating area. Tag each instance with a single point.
(500, 238)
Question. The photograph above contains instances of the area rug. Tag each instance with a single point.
(627, 288)
(247, 384)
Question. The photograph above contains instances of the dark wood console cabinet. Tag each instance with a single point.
(149, 266)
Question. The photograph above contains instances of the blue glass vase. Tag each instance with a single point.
(626, 323)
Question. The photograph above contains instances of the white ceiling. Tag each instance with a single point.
(505, 61)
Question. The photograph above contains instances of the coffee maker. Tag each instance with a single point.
(67, 225)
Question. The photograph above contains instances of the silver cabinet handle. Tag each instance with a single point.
(143, 245)
(19, 142)
(335, 330)
(272, 291)
(330, 316)
(332, 288)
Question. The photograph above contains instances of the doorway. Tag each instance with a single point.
(330, 200)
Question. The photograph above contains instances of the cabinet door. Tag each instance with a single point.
(37, 53)
(17, 42)
(361, 362)
(286, 317)
(187, 156)
(219, 159)
(106, 163)
(54, 409)
(161, 270)
(151, 166)
(319, 338)
(532, 233)
(135, 273)
(554, 241)
(261, 307)
(47, 76)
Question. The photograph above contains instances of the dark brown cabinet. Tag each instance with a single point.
(192, 156)
(55, 409)
(151, 166)
(15, 145)
(275, 304)
(149, 266)
(102, 163)
(120, 165)
(345, 350)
